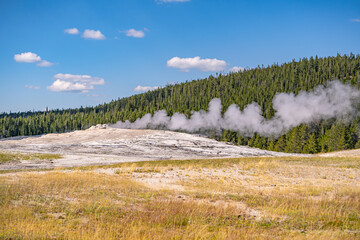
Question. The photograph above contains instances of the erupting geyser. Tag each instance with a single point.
(336, 100)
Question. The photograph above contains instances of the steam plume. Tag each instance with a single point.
(337, 100)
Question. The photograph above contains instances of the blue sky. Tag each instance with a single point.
(123, 46)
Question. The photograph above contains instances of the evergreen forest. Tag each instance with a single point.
(258, 84)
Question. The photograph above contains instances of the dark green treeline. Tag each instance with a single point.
(259, 85)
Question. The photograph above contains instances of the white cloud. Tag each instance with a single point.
(74, 83)
(32, 87)
(135, 33)
(27, 57)
(44, 63)
(64, 86)
(355, 20)
(93, 95)
(236, 69)
(93, 34)
(144, 88)
(207, 64)
(73, 31)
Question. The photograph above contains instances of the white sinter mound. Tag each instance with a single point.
(103, 145)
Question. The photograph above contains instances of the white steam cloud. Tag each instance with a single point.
(337, 100)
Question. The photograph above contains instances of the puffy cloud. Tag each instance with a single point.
(236, 69)
(207, 64)
(27, 57)
(64, 86)
(44, 63)
(93, 34)
(32, 87)
(144, 88)
(80, 78)
(74, 83)
(135, 33)
(73, 31)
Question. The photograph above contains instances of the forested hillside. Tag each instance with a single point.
(259, 85)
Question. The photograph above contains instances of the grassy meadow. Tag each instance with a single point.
(7, 157)
(243, 198)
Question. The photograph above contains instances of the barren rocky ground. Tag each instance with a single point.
(103, 145)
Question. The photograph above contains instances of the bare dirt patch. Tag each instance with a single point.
(345, 153)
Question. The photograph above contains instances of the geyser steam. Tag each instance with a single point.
(337, 100)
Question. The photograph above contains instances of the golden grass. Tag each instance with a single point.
(250, 198)
(265, 162)
(6, 156)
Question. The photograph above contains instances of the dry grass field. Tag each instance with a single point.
(13, 157)
(241, 198)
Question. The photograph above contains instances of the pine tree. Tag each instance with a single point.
(311, 145)
(253, 85)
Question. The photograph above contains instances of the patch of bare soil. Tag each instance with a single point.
(345, 153)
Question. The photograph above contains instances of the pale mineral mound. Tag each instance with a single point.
(102, 144)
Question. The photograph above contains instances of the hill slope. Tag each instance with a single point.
(102, 146)
(259, 85)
